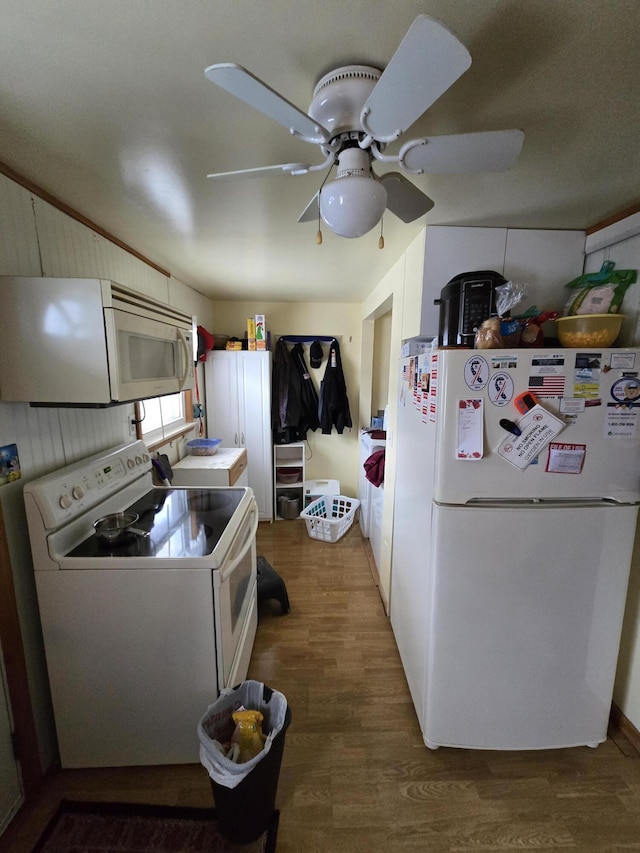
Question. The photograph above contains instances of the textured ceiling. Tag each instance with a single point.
(105, 106)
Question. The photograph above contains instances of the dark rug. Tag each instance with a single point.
(82, 827)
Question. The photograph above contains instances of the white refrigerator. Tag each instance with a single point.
(511, 553)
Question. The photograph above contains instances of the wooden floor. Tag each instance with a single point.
(355, 774)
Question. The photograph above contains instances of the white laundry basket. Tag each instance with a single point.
(330, 517)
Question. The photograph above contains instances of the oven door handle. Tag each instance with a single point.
(249, 536)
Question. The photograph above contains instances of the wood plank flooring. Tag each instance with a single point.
(356, 777)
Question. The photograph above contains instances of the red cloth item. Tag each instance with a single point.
(374, 467)
(376, 433)
(206, 342)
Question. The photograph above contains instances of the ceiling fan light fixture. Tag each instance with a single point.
(352, 206)
(357, 110)
(353, 203)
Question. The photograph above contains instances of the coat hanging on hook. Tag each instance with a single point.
(308, 396)
(289, 420)
(334, 404)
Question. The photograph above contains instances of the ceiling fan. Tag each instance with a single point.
(356, 111)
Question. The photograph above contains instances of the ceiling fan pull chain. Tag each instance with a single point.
(319, 232)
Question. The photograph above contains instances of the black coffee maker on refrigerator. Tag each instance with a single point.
(465, 302)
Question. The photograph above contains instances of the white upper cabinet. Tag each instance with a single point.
(545, 260)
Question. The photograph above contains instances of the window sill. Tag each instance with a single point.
(170, 436)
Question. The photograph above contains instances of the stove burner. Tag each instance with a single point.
(129, 545)
(211, 502)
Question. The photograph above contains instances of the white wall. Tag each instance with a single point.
(38, 239)
(387, 299)
(381, 362)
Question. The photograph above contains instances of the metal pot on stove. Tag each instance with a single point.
(116, 526)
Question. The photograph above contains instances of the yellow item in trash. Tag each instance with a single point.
(248, 734)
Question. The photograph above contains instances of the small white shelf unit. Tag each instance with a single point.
(288, 478)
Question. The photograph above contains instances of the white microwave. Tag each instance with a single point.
(90, 342)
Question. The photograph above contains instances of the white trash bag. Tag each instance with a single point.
(217, 726)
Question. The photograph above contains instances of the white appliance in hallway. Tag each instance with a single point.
(140, 634)
(511, 553)
(371, 497)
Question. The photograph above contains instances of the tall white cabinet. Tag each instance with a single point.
(238, 405)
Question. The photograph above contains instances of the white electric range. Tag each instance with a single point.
(141, 635)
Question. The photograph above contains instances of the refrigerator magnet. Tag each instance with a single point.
(476, 372)
(622, 420)
(623, 360)
(470, 436)
(538, 428)
(501, 389)
(572, 405)
(566, 458)
(626, 390)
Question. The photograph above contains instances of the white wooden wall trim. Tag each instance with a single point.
(35, 190)
(614, 233)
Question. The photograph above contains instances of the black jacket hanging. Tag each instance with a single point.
(285, 398)
(334, 404)
(308, 396)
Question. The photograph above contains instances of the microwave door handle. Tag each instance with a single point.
(187, 358)
(246, 544)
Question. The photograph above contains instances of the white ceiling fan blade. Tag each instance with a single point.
(261, 171)
(311, 211)
(245, 86)
(492, 151)
(428, 61)
(404, 198)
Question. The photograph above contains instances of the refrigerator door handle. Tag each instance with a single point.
(518, 503)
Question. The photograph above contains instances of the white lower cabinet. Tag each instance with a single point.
(238, 405)
(227, 467)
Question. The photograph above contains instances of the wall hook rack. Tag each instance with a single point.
(309, 339)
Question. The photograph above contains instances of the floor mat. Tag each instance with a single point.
(85, 827)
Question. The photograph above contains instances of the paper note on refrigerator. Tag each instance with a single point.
(470, 441)
(538, 428)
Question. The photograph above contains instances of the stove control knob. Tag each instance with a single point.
(77, 492)
(130, 463)
(65, 501)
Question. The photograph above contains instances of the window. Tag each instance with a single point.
(163, 418)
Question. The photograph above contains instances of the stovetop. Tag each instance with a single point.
(180, 523)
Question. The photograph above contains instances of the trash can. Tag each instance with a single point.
(245, 811)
